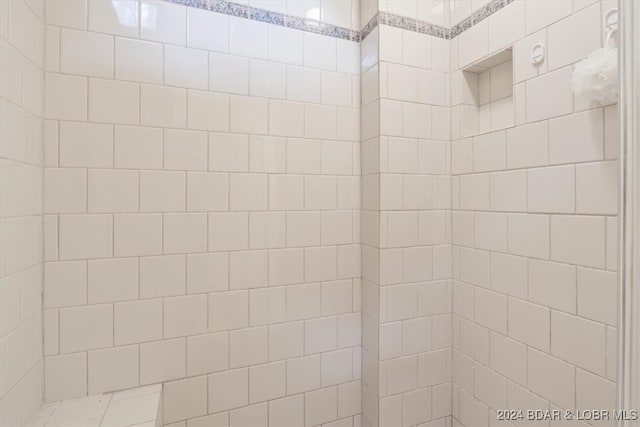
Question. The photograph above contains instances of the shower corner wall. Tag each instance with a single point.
(22, 31)
(534, 217)
(406, 237)
(532, 214)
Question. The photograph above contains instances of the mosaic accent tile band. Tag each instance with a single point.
(371, 25)
(478, 16)
(317, 27)
(275, 18)
(411, 24)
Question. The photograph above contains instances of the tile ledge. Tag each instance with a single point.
(135, 407)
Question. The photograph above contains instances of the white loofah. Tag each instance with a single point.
(597, 76)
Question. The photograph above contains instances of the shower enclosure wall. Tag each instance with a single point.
(388, 218)
(22, 67)
(534, 219)
(202, 212)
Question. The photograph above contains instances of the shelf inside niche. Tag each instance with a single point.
(489, 85)
(491, 61)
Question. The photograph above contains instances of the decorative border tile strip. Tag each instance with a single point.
(411, 24)
(371, 25)
(478, 16)
(269, 17)
(433, 30)
(322, 28)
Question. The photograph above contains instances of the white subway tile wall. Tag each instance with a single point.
(534, 207)
(22, 80)
(202, 196)
(406, 227)
(286, 228)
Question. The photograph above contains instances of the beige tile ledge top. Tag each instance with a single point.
(136, 407)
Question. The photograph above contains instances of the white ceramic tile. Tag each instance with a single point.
(508, 191)
(83, 236)
(348, 54)
(228, 152)
(578, 240)
(185, 67)
(267, 306)
(207, 30)
(527, 145)
(267, 382)
(71, 14)
(137, 147)
(185, 150)
(65, 377)
(509, 358)
(564, 47)
(540, 13)
(589, 354)
(65, 190)
(112, 191)
(540, 90)
(596, 295)
(336, 12)
(551, 189)
(473, 43)
(596, 190)
(230, 310)
(248, 38)
(267, 79)
(553, 285)
(137, 321)
(163, 106)
(576, 138)
(320, 335)
(249, 114)
(185, 399)
(162, 276)
(506, 26)
(162, 191)
(137, 234)
(286, 341)
(207, 353)
(112, 280)
(248, 347)
(162, 361)
(320, 51)
(112, 101)
(66, 97)
(528, 235)
(489, 387)
(101, 376)
(285, 45)
(85, 53)
(85, 145)
(286, 118)
(303, 84)
(185, 316)
(86, 328)
(320, 406)
(163, 22)
(228, 73)
(287, 411)
(529, 323)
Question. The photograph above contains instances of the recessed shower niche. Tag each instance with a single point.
(486, 95)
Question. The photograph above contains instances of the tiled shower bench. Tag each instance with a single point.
(136, 407)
